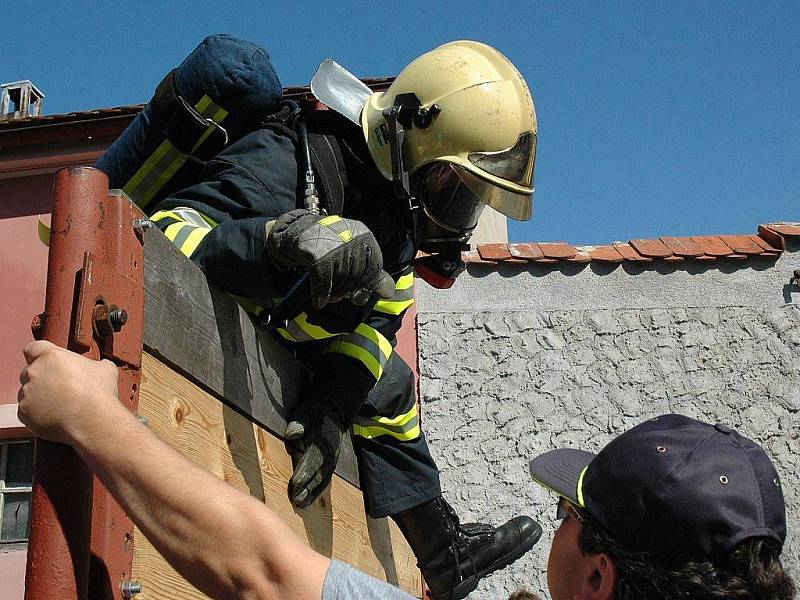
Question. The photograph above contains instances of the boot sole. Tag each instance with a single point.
(463, 589)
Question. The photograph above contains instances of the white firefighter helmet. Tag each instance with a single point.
(477, 126)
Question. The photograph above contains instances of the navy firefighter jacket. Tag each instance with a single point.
(219, 222)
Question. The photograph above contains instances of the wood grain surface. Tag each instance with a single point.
(253, 460)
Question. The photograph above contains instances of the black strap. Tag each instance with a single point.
(184, 125)
(328, 163)
(326, 158)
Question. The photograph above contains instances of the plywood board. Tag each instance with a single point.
(205, 335)
(255, 461)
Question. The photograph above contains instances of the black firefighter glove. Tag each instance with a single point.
(341, 255)
(321, 429)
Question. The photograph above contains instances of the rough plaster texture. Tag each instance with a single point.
(515, 362)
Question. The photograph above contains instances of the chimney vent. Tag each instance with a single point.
(20, 99)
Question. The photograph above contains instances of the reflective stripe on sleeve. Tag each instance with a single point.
(403, 297)
(186, 228)
(366, 345)
(165, 160)
(404, 427)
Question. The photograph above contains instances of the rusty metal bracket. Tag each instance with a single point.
(81, 540)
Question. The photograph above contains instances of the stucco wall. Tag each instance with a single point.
(516, 361)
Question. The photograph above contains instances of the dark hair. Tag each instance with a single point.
(753, 571)
(523, 594)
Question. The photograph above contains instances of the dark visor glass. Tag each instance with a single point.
(447, 201)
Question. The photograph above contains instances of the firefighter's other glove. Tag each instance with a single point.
(341, 255)
(321, 429)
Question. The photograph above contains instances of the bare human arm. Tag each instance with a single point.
(224, 542)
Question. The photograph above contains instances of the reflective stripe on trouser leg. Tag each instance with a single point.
(395, 474)
(366, 345)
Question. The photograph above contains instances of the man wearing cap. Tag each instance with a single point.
(673, 508)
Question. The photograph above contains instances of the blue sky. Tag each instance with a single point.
(655, 118)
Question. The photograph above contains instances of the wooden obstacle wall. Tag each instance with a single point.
(219, 390)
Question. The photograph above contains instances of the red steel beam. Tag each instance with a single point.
(80, 543)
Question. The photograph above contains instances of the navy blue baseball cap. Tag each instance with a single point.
(674, 487)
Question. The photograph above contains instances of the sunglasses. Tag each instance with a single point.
(566, 509)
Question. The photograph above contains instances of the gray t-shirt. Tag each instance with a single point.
(343, 582)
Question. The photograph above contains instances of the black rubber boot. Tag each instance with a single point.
(452, 556)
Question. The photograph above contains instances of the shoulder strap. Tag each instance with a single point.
(328, 163)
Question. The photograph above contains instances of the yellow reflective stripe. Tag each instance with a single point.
(193, 241)
(392, 308)
(173, 230)
(217, 117)
(357, 352)
(145, 169)
(338, 226)
(286, 335)
(164, 214)
(402, 427)
(203, 106)
(399, 420)
(330, 220)
(373, 432)
(165, 176)
(375, 336)
(580, 487)
(314, 331)
(406, 281)
(304, 331)
(402, 299)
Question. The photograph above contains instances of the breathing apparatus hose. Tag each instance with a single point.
(310, 196)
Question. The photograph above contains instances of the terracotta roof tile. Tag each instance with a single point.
(557, 250)
(742, 244)
(605, 254)
(770, 242)
(769, 248)
(712, 245)
(651, 248)
(525, 250)
(683, 246)
(581, 256)
(777, 233)
(629, 253)
(494, 251)
(474, 257)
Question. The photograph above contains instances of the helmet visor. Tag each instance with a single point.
(511, 204)
(513, 164)
(447, 200)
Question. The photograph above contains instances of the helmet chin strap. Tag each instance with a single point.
(440, 268)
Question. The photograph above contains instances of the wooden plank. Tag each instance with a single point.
(254, 461)
(201, 332)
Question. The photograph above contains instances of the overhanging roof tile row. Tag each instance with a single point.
(769, 243)
(295, 92)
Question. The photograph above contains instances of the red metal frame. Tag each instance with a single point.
(81, 541)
